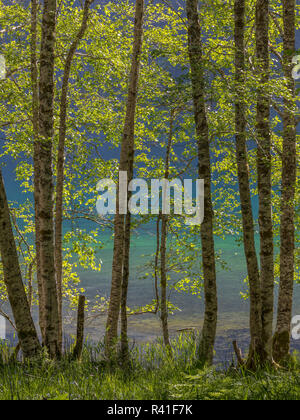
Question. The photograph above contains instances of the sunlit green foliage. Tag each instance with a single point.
(97, 93)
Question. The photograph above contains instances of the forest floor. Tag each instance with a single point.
(151, 376)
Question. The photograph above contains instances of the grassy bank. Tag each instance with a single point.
(152, 375)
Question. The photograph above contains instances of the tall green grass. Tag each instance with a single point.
(151, 374)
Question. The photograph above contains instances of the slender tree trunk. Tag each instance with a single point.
(124, 292)
(126, 163)
(163, 247)
(45, 202)
(36, 164)
(264, 172)
(244, 184)
(163, 282)
(77, 353)
(30, 283)
(60, 163)
(156, 264)
(206, 348)
(26, 331)
(281, 346)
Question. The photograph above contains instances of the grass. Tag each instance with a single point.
(152, 376)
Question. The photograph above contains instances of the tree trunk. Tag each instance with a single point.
(163, 281)
(80, 329)
(124, 292)
(156, 264)
(163, 247)
(36, 164)
(45, 202)
(126, 163)
(264, 173)
(244, 184)
(26, 331)
(30, 283)
(60, 163)
(206, 348)
(281, 346)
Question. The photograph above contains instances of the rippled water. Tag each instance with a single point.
(233, 310)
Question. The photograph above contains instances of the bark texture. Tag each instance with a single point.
(281, 347)
(61, 160)
(126, 164)
(26, 331)
(36, 163)
(163, 246)
(206, 348)
(80, 329)
(124, 292)
(45, 176)
(244, 183)
(264, 173)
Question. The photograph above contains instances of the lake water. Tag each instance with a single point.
(233, 310)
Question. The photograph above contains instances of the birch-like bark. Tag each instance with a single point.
(36, 163)
(206, 349)
(30, 283)
(46, 189)
(124, 291)
(126, 163)
(126, 272)
(77, 353)
(156, 264)
(244, 184)
(163, 247)
(281, 347)
(264, 173)
(60, 163)
(26, 331)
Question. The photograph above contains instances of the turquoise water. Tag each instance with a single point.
(233, 310)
